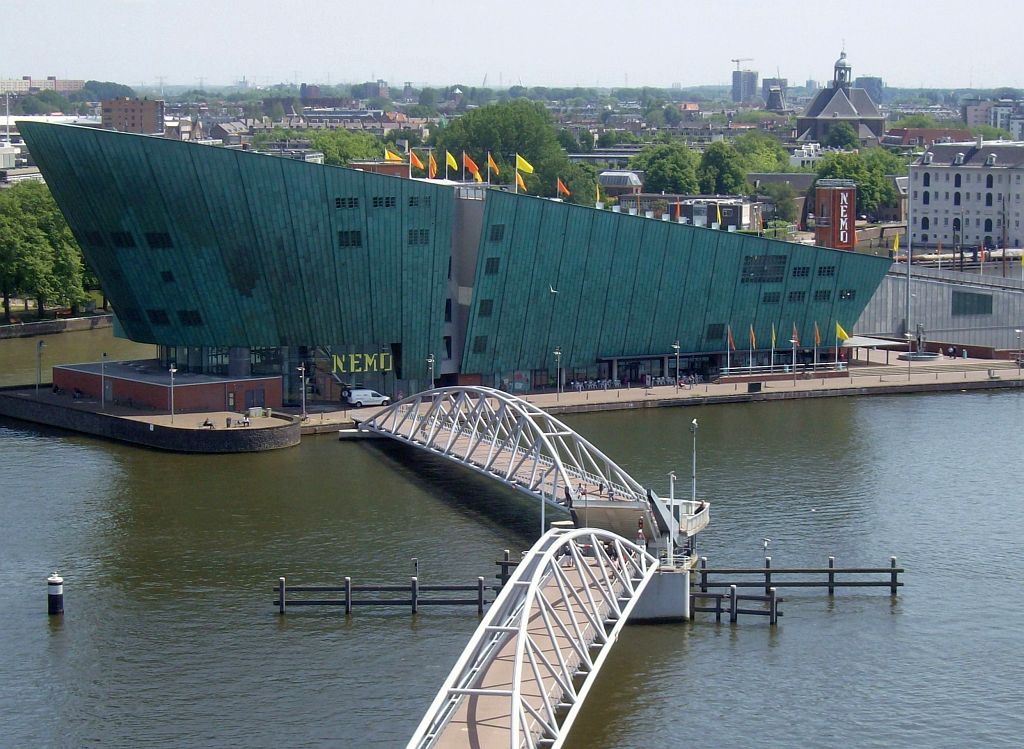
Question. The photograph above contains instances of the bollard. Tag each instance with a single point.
(479, 595)
(348, 596)
(280, 595)
(733, 604)
(767, 575)
(773, 607)
(831, 576)
(892, 576)
(416, 566)
(55, 594)
(415, 595)
(703, 574)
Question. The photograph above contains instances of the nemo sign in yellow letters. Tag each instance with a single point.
(353, 363)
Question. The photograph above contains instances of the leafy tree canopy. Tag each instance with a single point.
(761, 152)
(721, 170)
(669, 167)
(841, 135)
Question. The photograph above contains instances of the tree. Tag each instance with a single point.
(870, 170)
(841, 135)
(340, 147)
(761, 152)
(669, 167)
(783, 197)
(428, 98)
(721, 170)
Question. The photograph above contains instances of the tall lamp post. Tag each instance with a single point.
(675, 347)
(794, 341)
(40, 345)
(302, 384)
(558, 372)
(430, 363)
(103, 381)
(910, 337)
(172, 370)
(693, 473)
(669, 544)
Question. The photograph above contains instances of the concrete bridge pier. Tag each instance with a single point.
(666, 597)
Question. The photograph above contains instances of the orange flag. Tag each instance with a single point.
(753, 338)
(470, 165)
(432, 166)
(796, 336)
(817, 334)
(519, 181)
(415, 160)
(561, 189)
(491, 163)
(732, 343)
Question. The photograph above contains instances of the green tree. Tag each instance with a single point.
(428, 98)
(991, 133)
(760, 152)
(340, 147)
(870, 170)
(721, 170)
(668, 167)
(783, 197)
(841, 135)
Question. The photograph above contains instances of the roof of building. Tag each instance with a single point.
(619, 179)
(843, 102)
(1008, 153)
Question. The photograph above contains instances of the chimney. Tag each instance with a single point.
(980, 143)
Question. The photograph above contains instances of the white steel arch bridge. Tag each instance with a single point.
(524, 447)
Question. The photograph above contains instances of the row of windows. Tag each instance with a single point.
(927, 179)
(763, 269)
(188, 317)
(497, 232)
(383, 201)
(354, 237)
(824, 271)
(820, 295)
(926, 197)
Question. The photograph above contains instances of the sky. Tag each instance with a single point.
(551, 43)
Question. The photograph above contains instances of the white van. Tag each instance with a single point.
(359, 397)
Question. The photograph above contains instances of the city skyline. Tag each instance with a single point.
(141, 42)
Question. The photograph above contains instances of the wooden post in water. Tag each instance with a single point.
(773, 607)
(703, 574)
(348, 596)
(280, 595)
(733, 604)
(479, 595)
(767, 575)
(893, 576)
(415, 594)
(831, 576)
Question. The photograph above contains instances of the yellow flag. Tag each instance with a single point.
(450, 160)
(773, 335)
(841, 334)
(519, 181)
(597, 199)
(523, 165)
(389, 156)
(896, 244)
(718, 208)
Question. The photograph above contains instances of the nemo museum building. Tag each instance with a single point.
(239, 264)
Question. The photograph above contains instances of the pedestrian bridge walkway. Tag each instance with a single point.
(528, 667)
(526, 448)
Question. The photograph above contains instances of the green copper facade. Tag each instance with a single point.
(597, 284)
(209, 247)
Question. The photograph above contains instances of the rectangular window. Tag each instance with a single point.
(823, 295)
(826, 271)
(847, 294)
(497, 232)
(491, 266)
(771, 297)
(969, 303)
(122, 239)
(486, 307)
(352, 238)
(801, 271)
(346, 202)
(448, 310)
(190, 317)
(158, 240)
(166, 276)
(797, 297)
(480, 344)
(384, 201)
(129, 314)
(419, 236)
(95, 238)
(447, 347)
(419, 201)
(715, 331)
(763, 269)
(158, 317)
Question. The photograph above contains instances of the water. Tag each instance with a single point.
(170, 636)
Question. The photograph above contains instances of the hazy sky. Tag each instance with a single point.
(550, 42)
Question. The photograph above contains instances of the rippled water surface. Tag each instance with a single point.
(170, 638)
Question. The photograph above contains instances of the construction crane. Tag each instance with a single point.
(738, 60)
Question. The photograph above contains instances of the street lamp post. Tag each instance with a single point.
(693, 473)
(558, 372)
(103, 381)
(430, 363)
(302, 384)
(794, 341)
(669, 543)
(675, 347)
(172, 370)
(39, 363)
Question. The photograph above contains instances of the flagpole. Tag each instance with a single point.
(728, 349)
(446, 165)
(488, 168)
(463, 166)
(837, 349)
(516, 191)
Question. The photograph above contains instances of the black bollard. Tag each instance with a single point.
(55, 594)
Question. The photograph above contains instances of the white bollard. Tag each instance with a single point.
(55, 594)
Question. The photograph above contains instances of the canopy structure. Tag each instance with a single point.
(863, 341)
